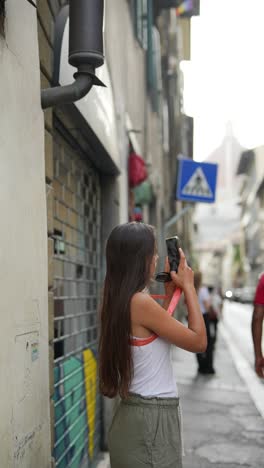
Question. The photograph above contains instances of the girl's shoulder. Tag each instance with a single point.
(140, 298)
(140, 301)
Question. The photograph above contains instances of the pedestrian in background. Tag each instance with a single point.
(215, 311)
(205, 359)
(257, 326)
(134, 363)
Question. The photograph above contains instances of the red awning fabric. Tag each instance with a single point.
(137, 171)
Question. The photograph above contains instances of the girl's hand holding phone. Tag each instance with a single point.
(169, 286)
(184, 279)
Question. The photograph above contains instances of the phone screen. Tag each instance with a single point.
(173, 244)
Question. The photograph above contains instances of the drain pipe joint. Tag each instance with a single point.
(85, 53)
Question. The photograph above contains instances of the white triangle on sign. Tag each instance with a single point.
(197, 185)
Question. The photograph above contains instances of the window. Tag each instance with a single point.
(141, 21)
(154, 68)
(148, 37)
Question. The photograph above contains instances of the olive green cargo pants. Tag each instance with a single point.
(146, 432)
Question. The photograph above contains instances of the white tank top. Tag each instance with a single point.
(153, 372)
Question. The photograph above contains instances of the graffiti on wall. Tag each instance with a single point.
(90, 373)
(75, 409)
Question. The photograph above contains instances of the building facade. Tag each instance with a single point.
(24, 383)
(251, 172)
(89, 144)
(218, 239)
(69, 166)
(174, 25)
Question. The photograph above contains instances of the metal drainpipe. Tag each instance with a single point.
(85, 52)
(84, 80)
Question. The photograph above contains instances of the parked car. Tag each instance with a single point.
(244, 295)
(236, 294)
(247, 295)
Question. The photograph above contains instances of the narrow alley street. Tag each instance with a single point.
(128, 129)
(222, 426)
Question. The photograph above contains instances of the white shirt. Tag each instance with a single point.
(203, 296)
(217, 303)
(153, 372)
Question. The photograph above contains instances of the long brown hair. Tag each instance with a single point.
(129, 253)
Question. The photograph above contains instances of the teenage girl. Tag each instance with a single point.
(133, 362)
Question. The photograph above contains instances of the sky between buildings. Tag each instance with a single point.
(225, 79)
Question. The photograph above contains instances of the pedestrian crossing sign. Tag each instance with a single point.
(196, 181)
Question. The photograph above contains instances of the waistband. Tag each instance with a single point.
(139, 400)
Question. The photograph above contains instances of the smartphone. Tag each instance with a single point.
(173, 245)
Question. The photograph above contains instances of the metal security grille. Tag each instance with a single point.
(76, 268)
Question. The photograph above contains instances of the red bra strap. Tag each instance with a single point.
(143, 341)
(159, 296)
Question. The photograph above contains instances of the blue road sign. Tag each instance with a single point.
(196, 181)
